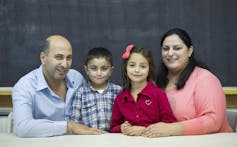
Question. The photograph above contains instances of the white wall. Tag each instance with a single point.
(3, 124)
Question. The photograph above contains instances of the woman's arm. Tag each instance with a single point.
(163, 129)
(210, 105)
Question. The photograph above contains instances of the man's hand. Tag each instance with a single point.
(80, 129)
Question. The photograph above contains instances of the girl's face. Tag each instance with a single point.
(175, 54)
(99, 70)
(137, 68)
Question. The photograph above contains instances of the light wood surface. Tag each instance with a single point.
(230, 92)
(5, 91)
(227, 90)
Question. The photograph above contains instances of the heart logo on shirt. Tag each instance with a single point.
(148, 102)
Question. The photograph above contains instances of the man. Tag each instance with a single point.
(42, 98)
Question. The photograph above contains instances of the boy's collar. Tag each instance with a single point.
(92, 88)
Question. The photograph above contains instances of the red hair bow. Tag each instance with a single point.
(128, 50)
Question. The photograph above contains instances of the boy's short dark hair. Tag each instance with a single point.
(99, 52)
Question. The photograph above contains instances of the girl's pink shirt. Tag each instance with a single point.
(201, 104)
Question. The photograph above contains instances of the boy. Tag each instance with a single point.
(92, 104)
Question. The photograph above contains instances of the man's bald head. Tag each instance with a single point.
(52, 40)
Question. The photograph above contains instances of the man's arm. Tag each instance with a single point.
(76, 128)
(25, 123)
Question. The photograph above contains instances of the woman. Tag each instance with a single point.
(195, 94)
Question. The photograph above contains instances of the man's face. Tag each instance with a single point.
(58, 61)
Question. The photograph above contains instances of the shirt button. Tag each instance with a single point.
(137, 116)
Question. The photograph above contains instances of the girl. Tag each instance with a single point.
(140, 103)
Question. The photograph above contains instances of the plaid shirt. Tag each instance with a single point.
(92, 108)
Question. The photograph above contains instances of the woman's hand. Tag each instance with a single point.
(163, 129)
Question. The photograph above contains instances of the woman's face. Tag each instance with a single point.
(175, 54)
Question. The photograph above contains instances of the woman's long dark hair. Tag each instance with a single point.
(162, 79)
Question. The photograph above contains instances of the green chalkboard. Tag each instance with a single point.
(24, 24)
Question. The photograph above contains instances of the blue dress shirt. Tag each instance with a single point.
(38, 111)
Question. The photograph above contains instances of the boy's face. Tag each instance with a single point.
(99, 70)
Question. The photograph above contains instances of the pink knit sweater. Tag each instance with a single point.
(201, 104)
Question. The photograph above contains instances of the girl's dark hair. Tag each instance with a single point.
(162, 79)
(99, 52)
(145, 53)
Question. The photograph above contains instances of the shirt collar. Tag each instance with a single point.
(93, 89)
(147, 91)
(41, 82)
